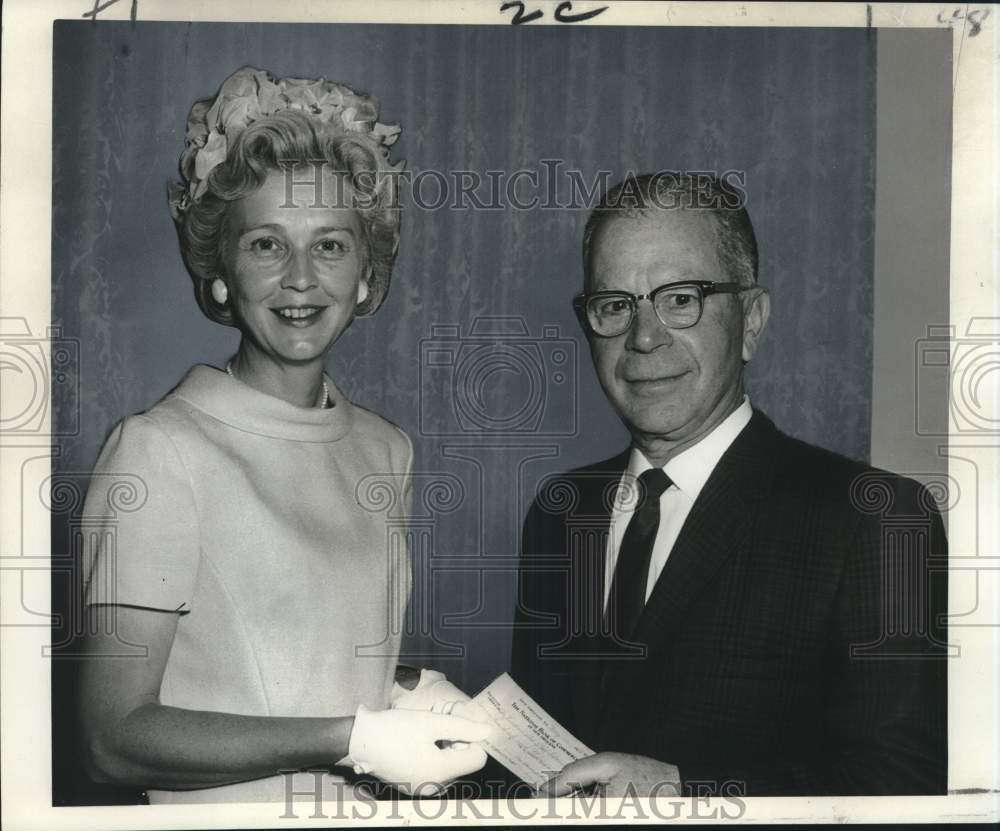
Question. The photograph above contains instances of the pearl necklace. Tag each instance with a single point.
(322, 401)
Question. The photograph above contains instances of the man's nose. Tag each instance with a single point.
(647, 331)
(299, 274)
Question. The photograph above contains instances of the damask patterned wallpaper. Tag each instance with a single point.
(792, 108)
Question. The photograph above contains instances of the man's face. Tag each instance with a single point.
(670, 384)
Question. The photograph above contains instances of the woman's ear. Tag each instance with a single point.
(220, 291)
(362, 289)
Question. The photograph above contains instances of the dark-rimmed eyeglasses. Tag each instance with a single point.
(677, 305)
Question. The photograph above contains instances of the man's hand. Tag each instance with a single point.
(613, 773)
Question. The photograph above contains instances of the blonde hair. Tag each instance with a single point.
(255, 126)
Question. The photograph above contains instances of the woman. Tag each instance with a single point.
(245, 590)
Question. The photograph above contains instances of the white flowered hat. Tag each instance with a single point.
(250, 94)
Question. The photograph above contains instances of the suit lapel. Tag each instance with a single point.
(596, 486)
(712, 531)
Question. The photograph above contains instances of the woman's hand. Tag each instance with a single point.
(432, 692)
(404, 748)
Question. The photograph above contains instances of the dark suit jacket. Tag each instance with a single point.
(793, 644)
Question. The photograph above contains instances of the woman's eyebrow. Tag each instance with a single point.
(326, 229)
(264, 226)
(274, 226)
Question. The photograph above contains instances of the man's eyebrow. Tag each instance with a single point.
(685, 276)
(678, 275)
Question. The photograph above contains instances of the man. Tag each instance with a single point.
(722, 607)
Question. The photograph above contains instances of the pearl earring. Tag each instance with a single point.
(220, 291)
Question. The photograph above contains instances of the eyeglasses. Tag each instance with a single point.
(677, 305)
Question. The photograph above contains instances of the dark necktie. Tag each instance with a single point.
(628, 588)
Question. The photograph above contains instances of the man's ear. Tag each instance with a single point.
(756, 310)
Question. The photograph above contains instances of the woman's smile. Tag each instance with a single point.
(299, 316)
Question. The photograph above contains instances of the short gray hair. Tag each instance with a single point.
(671, 190)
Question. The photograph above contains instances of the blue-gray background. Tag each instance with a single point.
(793, 108)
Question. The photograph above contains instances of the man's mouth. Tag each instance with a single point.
(654, 379)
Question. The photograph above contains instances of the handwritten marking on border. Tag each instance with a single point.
(563, 13)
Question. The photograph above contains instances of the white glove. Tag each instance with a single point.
(398, 746)
(432, 692)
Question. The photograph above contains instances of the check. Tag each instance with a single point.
(527, 740)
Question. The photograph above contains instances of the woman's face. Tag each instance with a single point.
(293, 268)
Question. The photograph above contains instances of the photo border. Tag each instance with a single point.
(25, 219)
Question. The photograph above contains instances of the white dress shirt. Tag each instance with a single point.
(688, 470)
